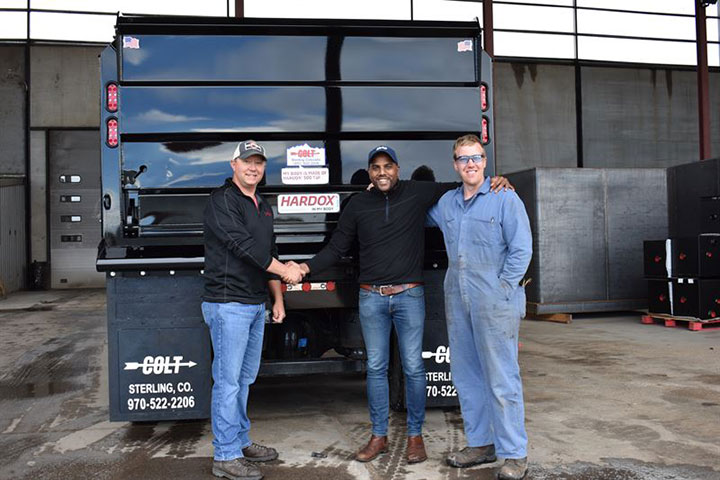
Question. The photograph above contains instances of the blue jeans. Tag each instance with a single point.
(236, 330)
(406, 311)
(483, 331)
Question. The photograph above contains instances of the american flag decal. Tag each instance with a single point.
(132, 42)
(465, 46)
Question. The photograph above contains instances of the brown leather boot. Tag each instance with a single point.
(374, 447)
(416, 449)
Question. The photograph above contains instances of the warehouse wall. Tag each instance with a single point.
(632, 117)
(65, 86)
(636, 117)
(534, 116)
(12, 169)
(12, 110)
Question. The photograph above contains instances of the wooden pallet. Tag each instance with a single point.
(550, 317)
(670, 321)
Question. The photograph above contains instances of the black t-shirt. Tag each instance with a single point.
(389, 229)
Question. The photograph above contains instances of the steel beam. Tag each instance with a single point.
(488, 27)
(702, 80)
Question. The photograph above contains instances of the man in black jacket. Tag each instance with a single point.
(389, 223)
(240, 254)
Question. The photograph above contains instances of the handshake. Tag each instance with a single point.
(293, 273)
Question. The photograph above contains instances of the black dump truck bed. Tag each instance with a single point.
(178, 93)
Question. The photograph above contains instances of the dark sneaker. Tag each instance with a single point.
(514, 469)
(469, 456)
(259, 453)
(238, 469)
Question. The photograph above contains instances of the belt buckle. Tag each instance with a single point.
(380, 290)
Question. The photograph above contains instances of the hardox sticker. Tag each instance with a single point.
(305, 156)
(309, 203)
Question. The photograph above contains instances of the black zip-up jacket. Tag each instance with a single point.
(239, 246)
(390, 229)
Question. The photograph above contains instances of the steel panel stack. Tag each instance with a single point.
(683, 271)
(588, 226)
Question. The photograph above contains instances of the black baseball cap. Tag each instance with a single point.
(382, 149)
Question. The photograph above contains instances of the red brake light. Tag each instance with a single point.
(485, 131)
(111, 97)
(484, 97)
(112, 132)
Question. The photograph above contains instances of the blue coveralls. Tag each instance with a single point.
(489, 246)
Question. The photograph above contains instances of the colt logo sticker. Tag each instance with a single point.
(159, 365)
(305, 176)
(309, 203)
(441, 354)
(305, 156)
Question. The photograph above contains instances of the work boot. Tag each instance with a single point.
(469, 456)
(237, 469)
(259, 453)
(514, 469)
(374, 447)
(416, 449)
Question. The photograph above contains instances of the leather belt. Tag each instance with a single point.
(387, 290)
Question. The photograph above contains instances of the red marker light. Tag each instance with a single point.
(661, 297)
(682, 256)
(484, 97)
(485, 130)
(683, 299)
(708, 254)
(306, 287)
(112, 132)
(712, 314)
(111, 97)
(330, 286)
(283, 287)
(657, 258)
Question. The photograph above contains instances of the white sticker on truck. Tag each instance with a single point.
(131, 42)
(305, 156)
(305, 176)
(465, 46)
(309, 203)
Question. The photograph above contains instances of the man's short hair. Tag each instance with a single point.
(469, 139)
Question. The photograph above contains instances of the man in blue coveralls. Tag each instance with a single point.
(489, 245)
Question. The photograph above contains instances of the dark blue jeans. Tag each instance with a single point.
(377, 315)
(236, 330)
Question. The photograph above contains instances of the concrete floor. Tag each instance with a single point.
(606, 398)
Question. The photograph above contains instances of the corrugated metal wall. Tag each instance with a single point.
(12, 235)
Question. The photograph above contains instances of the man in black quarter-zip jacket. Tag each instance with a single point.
(389, 222)
(240, 254)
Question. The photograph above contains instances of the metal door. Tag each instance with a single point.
(74, 201)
